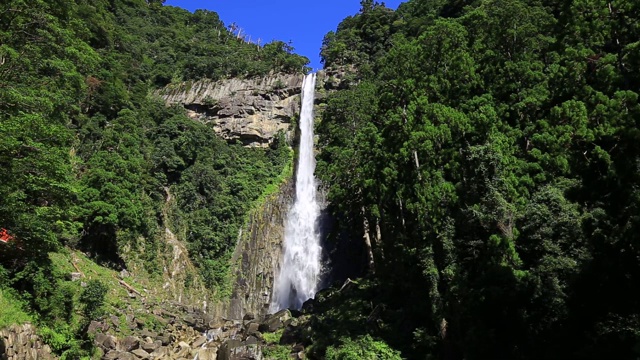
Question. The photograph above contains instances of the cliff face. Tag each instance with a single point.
(249, 110)
(258, 254)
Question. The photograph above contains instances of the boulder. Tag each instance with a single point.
(161, 352)
(252, 328)
(75, 276)
(199, 342)
(111, 355)
(105, 342)
(165, 339)
(237, 350)
(97, 326)
(129, 344)
(208, 354)
(151, 347)
(275, 321)
(140, 353)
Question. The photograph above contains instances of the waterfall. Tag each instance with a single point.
(301, 266)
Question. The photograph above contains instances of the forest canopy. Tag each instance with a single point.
(88, 155)
(490, 150)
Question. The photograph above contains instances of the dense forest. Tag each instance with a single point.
(88, 155)
(485, 152)
(489, 153)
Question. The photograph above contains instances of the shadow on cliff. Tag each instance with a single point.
(343, 256)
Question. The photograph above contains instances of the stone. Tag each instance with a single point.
(252, 328)
(161, 352)
(183, 351)
(111, 355)
(124, 274)
(214, 334)
(189, 320)
(115, 320)
(96, 326)
(147, 333)
(291, 322)
(165, 339)
(249, 110)
(140, 323)
(251, 340)
(160, 319)
(105, 342)
(213, 324)
(140, 353)
(129, 343)
(199, 341)
(75, 276)
(208, 354)
(248, 316)
(150, 347)
(127, 356)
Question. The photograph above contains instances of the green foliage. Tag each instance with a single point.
(12, 310)
(89, 157)
(362, 348)
(273, 338)
(92, 298)
(277, 352)
(492, 151)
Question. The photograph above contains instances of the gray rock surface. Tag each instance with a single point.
(249, 110)
(257, 257)
(20, 342)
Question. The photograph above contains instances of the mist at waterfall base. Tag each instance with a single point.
(299, 275)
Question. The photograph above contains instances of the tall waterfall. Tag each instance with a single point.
(301, 266)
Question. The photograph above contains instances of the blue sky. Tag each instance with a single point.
(303, 22)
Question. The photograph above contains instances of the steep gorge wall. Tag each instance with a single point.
(257, 257)
(20, 342)
(252, 111)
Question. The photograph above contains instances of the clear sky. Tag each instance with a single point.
(304, 23)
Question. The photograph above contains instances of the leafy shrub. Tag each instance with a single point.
(363, 348)
(273, 338)
(12, 312)
(92, 298)
(278, 352)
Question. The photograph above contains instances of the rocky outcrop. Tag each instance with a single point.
(252, 111)
(190, 334)
(21, 342)
(258, 255)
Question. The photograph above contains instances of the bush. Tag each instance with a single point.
(12, 312)
(363, 348)
(92, 298)
(278, 352)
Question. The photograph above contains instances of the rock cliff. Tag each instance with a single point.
(258, 254)
(252, 111)
(22, 342)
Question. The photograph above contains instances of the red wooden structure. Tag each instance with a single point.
(4, 236)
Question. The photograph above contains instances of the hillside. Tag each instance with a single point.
(479, 158)
(488, 151)
(95, 165)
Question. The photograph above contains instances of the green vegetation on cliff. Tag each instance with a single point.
(493, 146)
(88, 156)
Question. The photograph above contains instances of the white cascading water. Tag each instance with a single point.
(301, 265)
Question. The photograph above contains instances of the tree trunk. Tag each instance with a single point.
(367, 242)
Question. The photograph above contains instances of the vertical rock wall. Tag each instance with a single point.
(258, 254)
(21, 342)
